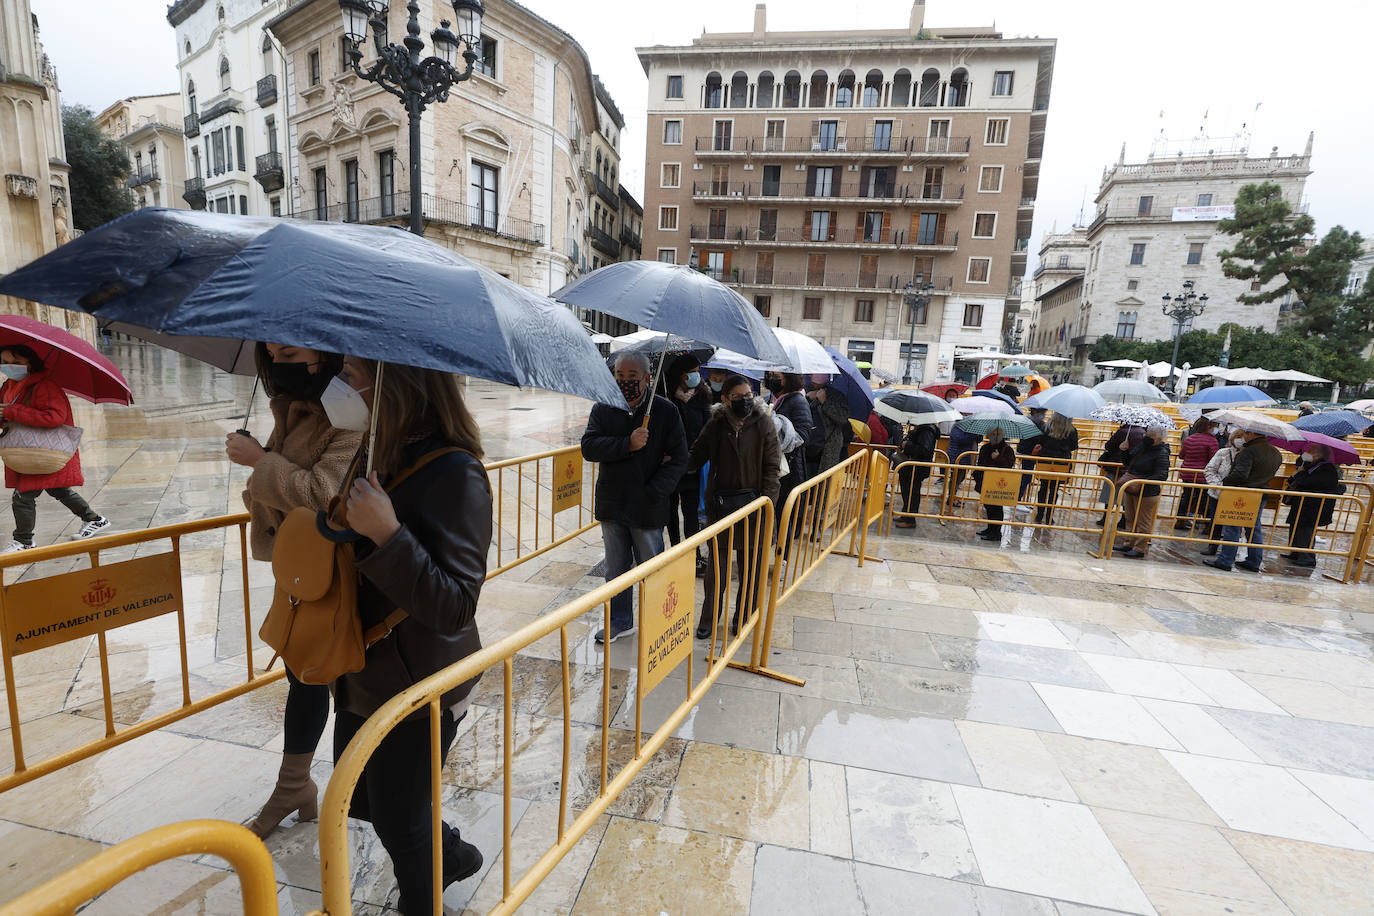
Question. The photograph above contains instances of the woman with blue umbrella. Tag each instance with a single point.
(996, 453)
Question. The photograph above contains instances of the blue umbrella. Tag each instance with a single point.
(678, 300)
(1336, 423)
(851, 383)
(1232, 396)
(996, 396)
(1072, 401)
(370, 291)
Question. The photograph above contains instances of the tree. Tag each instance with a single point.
(1271, 240)
(99, 167)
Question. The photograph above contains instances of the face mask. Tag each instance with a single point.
(1306, 457)
(344, 406)
(693, 379)
(742, 408)
(629, 387)
(773, 384)
(716, 386)
(294, 379)
(15, 372)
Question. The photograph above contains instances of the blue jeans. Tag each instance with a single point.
(1231, 534)
(626, 548)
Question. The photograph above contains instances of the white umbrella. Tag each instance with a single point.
(1129, 391)
(1043, 358)
(599, 338)
(1119, 364)
(805, 355)
(971, 405)
(1256, 422)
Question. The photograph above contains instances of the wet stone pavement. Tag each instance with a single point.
(984, 728)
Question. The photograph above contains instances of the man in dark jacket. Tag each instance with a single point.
(1254, 466)
(640, 468)
(1140, 502)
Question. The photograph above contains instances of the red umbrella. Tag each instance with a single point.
(73, 364)
(1342, 452)
(942, 389)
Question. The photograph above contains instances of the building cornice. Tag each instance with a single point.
(182, 10)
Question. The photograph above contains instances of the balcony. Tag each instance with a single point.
(898, 147)
(395, 207)
(1027, 203)
(267, 90)
(194, 193)
(191, 125)
(1083, 340)
(630, 239)
(604, 242)
(606, 192)
(268, 172)
(145, 175)
(834, 237)
(801, 279)
(850, 192)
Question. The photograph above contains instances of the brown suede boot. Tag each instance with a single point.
(295, 791)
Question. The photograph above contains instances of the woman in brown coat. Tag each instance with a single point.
(303, 464)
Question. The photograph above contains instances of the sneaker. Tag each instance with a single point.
(16, 546)
(93, 527)
(615, 633)
(1023, 510)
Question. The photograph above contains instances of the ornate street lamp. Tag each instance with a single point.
(1182, 308)
(914, 295)
(399, 69)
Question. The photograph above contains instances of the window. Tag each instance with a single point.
(672, 132)
(720, 180)
(811, 308)
(1195, 252)
(819, 221)
(667, 255)
(1125, 325)
(973, 314)
(873, 226)
(868, 271)
(483, 201)
(1204, 200)
(930, 229)
(913, 357)
(933, 187)
(764, 305)
(919, 313)
(276, 206)
(978, 270)
(863, 312)
(882, 135)
(823, 183)
(763, 271)
(715, 265)
(674, 87)
(1132, 285)
(1145, 205)
(321, 194)
(223, 73)
(860, 351)
(351, 190)
(990, 179)
(1063, 260)
(191, 96)
(937, 140)
(217, 144)
(774, 135)
(997, 132)
(984, 225)
(344, 63)
(714, 91)
(267, 55)
(670, 175)
(1138, 253)
(772, 180)
(313, 65)
(238, 146)
(195, 162)
(717, 226)
(1255, 286)
(877, 182)
(768, 225)
(1001, 82)
(827, 135)
(486, 60)
(667, 219)
(815, 270)
(722, 134)
(386, 181)
(243, 205)
(271, 126)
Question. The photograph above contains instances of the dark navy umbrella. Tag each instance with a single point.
(370, 291)
(851, 383)
(996, 396)
(1335, 423)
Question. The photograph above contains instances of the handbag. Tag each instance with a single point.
(728, 501)
(38, 449)
(313, 623)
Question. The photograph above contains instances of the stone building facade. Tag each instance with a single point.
(150, 127)
(234, 117)
(35, 207)
(1155, 227)
(510, 164)
(819, 172)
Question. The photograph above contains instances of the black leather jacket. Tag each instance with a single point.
(434, 568)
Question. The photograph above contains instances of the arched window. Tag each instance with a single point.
(190, 96)
(844, 89)
(219, 14)
(930, 88)
(714, 92)
(268, 64)
(820, 85)
(188, 47)
(223, 73)
(791, 90)
(873, 89)
(739, 90)
(901, 89)
(957, 96)
(763, 93)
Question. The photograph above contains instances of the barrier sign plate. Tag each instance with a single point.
(57, 609)
(567, 482)
(877, 491)
(834, 499)
(1000, 487)
(665, 620)
(1239, 508)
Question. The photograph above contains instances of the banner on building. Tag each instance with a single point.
(1202, 214)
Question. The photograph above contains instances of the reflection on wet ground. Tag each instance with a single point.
(1009, 727)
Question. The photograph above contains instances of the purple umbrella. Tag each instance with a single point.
(1341, 452)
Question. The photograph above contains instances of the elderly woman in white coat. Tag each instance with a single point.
(1215, 473)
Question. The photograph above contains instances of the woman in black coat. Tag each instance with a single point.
(995, 453)
(789, 400)
(683, 386)
(1306, 514)
(918, 445)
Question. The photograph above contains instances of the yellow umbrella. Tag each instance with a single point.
(861, 430)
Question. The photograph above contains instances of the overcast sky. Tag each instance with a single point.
(1118, 66)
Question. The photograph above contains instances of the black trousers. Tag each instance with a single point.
(394, 795)
(307, 711)
(25, 505)
(994, 518)
(1046, 496)
(685, 499)
(744, 534)
(911, 487)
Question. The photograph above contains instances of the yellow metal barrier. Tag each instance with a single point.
(72, 889)
(666, 588)
(40, 613)
(530, 496)
(875, 503)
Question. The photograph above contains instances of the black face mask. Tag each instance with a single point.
(630, 387)
(742, 408)
(296, 380)
(773, 384)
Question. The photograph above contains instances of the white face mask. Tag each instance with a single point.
(15, 371)
(344, 406)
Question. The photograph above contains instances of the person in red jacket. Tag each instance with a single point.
(1198, 447)
(29, 397)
